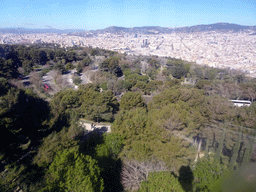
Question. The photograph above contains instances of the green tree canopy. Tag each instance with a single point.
(207, 172)
(161, 181)
(111, 65)
(131, 100)
(71, 171)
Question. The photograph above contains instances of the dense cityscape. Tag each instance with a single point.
(235, 50)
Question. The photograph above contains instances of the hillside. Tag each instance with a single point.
(186, 136)
(218, 27)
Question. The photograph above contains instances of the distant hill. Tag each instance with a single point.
(218, 27)
(29, 31)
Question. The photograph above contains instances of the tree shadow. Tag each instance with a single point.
(110, 167)
(22, 124)
(186, 178)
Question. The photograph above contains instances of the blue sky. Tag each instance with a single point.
(95, 14)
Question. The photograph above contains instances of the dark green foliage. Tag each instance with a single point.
(105, 149)
(210, 74)
(130, 123)
(30, 178)
(207, 172)
(4, 86)
(60, 67)
(15, 111)
(8, 69)
(79, 68)
(99, 106)
(236, 149)
(247, 154)
(161, 181)
(120, 86)
(71, 56)
(104, 86)
(134, 77)
(199, 72)
(73, 171)
(111, 65)
(112, 145)
(27, 66)
(60, 54)
(177, 68)
(86, 61)
(179, 71)
(87, 102)
(152, 86)
(77, 80)
(44, 71)
(153, 63)
(202, 83)
(69, 66)
(141, 85)
(220, 146)
(53, 144)
(131, 100)
(94, 52)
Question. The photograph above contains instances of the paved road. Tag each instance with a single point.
(48, 79)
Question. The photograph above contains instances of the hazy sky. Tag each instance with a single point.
(96, 14)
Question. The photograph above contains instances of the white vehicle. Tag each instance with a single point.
(241, 103)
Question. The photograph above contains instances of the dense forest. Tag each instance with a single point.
(173, 126)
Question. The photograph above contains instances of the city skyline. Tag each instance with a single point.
(91, 15)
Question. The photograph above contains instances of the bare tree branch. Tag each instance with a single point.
(134, 172)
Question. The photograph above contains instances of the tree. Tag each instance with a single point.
(135, 172)
(27, 66)
(71, 171)
(94, 52)
(7, 68)
(249, 148)
(69, 66)
(207, 172)
(111, 65)
(77, 80)
(235, 151)
(131, 100)
(36, 79)
(57, 77)
(130, 123)
(79, 67)
(161, 181)
(220, 146)
(177, 68)
(60, 67)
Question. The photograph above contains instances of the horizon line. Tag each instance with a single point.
(120, 27)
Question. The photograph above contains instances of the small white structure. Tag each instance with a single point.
(241, 103)
(91, 126)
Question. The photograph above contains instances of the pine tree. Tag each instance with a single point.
(220, 146)
(235, 150)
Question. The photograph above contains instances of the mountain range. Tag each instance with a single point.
(218, 27)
